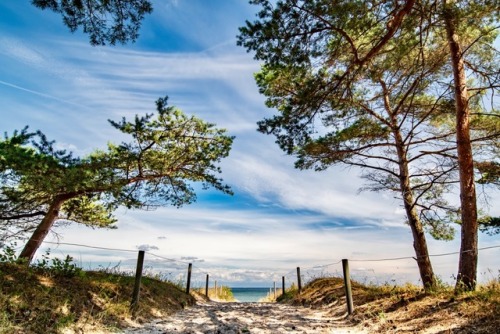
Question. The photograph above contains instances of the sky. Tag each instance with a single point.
(279, 218)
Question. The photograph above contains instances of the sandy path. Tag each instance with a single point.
(228, 318)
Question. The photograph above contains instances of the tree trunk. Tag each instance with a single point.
(420, 245)
(467, 266)
(42, 230)
(419, 240)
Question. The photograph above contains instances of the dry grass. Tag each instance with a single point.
(407, 309)
(41, 301)
(272, 296)
(221, 294)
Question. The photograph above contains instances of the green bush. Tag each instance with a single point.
(65, 268)
(8, 253)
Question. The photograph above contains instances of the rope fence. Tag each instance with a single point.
(309, 273)
(192, 271)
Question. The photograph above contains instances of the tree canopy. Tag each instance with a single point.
(369, 84)
(105, 21)
(168, 153)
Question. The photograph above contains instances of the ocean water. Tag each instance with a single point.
(247, 295)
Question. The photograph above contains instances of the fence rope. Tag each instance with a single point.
(200, 270)
(313, 267)
(390, 259)
(291, 272)
(166, 258)
(87, 246)
(325, 265)
(415, 258)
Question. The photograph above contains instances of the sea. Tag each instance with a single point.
(249, 295)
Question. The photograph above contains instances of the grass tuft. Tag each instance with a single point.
(405, 309)
(43, 300)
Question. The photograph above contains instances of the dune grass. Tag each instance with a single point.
(48, 300)
(221, 293)
(405, 309)
(59, 297)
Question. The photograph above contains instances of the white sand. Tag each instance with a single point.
(233, 318)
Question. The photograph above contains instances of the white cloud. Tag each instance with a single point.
(273, 246)
(281, 218)
(147, 247)
(22, 52)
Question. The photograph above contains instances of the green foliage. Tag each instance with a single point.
(289, 295)
(223, 293)
(64, 268)
(167, 151)
(373, 92)
(86, 210)
(440, 229)
(8, 253)
(367, 84)
(489, 172)
(106, 21)
(489, 225)
(167, 154)
(227, 294)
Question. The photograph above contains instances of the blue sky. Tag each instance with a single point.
(279, 217)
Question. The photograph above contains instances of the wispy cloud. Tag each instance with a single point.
(279, 219)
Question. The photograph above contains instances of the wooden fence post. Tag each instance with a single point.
(283, 285)
(137, 285)
(206, 287)
(299, 280)
(274, 283)
(188, 286)
(347, 286)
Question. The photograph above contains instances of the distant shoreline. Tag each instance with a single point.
(250, 294)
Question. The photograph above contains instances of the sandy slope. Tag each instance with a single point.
(228, 318)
